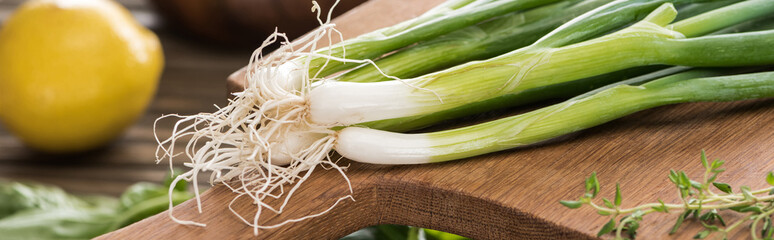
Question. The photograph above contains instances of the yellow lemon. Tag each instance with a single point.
(74, 74)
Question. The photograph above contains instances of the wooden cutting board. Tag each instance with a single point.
(511, 194)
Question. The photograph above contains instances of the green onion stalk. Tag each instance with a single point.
(502, 34)
(375, 146)
(293, 64)
(457, 43)
(481, 41)
(693, 9)
(443, 19)
(650, 42)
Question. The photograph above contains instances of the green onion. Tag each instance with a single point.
(375, 146)
(291, 66)
(481, 41)
(645, 43)
(497, 36)
(706, 23)
(289, 117)
(446, 18)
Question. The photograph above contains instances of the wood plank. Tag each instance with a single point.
(510, 194)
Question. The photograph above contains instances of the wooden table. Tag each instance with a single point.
(506, 195)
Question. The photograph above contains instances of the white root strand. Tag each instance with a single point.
(235, 142)
(244, 145)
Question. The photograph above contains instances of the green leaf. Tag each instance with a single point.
(413, 233)
(723, 187)
(571, 204)
(607, 203)
(394, 231)
(738, 208)
(50, 213)
(660, 209)
(617, 194)
(607, 228)
(712, 178)
(384, 231)
(710, 227)
(746, 208)
(716, 164)
(679, 222)
(684, 180)
(141, 191)
(673, 177)
(770, 178)
(438, 235)
(181, 186)
(746, 192)
(592, 184)
(16, 197)
(696, 185)
(754, 209)
(766, 228)
(710, 217)
(702, 234)
(57, 223)
(632, 226)
(684, 193)
(706, 217)
(603, 213)
(695, 213)
(720, 219)
(704, 160)
(663, 208)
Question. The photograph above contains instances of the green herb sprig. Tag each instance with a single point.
(43, 212)
(701, 200)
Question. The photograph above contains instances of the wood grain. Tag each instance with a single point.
(510, 194)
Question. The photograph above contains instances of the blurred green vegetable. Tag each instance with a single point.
(37, 211)
(398, 232)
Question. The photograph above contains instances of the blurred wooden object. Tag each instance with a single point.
(510, 194)
(245, 22)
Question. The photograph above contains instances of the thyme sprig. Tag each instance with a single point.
(698, 199)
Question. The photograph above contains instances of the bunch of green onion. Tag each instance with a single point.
(464, 57)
